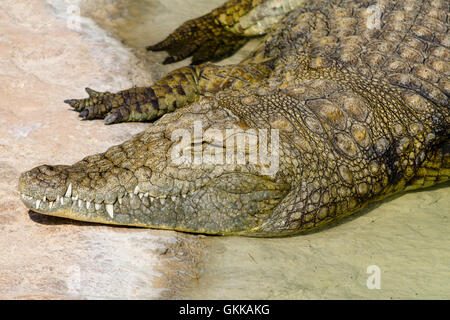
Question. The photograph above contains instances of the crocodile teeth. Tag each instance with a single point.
(51, 204)
(152, 199)
(62, 201)
(69, 191)
(98, 206)
(184, 196)
(80, 203)
(162, 200)
(75, 198)
(38, 203)
(120, 200)
(88, 204)
(44, 199)
(110, 210)
(146, 195)
(173, 198)
(136, 190)
(141, 195)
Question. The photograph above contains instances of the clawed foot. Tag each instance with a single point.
(203, 38)
(98, 106)
(136, 104)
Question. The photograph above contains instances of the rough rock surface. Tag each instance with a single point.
(42, 62)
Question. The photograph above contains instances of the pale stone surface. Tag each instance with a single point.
(43, 62)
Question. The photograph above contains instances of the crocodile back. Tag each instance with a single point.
(404, 43)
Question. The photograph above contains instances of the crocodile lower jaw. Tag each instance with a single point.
(72, 206)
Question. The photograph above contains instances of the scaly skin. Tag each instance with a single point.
(358, 91)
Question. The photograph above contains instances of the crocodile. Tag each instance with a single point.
(341, 104)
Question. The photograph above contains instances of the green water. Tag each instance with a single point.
(407, 237)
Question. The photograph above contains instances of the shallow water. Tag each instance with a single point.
(406, 237)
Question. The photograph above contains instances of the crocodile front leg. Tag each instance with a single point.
(140, 103)
(207, 38)
(223, 31)
(177, 89)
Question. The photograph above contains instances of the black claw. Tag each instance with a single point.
(155, 47)
(72, 102)
(111, 118)
(84, 114)
(197, 62)
(91, 93)
(169, 60)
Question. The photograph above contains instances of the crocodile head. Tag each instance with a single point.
(143, 182)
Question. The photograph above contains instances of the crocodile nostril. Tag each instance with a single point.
(43, 181)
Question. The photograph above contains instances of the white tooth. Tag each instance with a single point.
(69, 191)
(110, 210)
(38, 203)
(51, 204)
(80, 203)
(136, 190)
(120, 200)
(131, 195)
(62, 201)
(162, 200)
(98, 206)
(173, 198)
(141, 195)
(88, 204)
(57, 198)
(184, 195)
(146, 195)
(44, 199)
(152, 199)
(75, 198)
